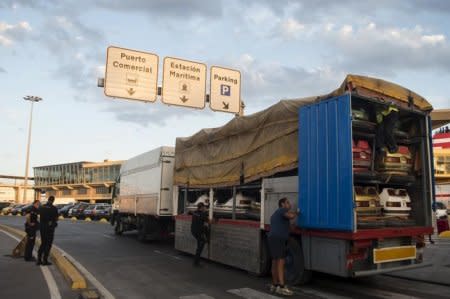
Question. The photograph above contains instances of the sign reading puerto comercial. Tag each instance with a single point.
(184, 83)
(225, 93)
(131, 74)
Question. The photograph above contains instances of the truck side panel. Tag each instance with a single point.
(325, 165)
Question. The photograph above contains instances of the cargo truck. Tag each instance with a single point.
(142, 197)
(310, 151)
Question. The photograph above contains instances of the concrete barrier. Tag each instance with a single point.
(61, 217)
(87, 219)
(74, 219)
(104, 220)
(70, 273)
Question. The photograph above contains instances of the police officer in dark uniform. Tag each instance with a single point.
(31, 227)
(49, 221)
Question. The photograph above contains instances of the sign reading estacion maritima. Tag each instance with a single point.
(184, 83)
(131, 74)
(225, 93)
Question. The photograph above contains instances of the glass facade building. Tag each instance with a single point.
(80, 181)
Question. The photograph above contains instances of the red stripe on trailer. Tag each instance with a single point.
(443, 195)
(367, 233)
(183, 217)
(246, 223)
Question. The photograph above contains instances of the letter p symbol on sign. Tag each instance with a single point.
(225, 90)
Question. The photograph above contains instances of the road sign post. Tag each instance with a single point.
(131, 74)
(184, 83)
(225, 90)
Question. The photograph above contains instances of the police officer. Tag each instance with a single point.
(387, 121)
(49, 221)
(31, 226)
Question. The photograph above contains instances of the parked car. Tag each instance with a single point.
(399, 163)
(6, 210)
(367, 201)
(440, 210)
(77, 210)
(64, 211)
(361, 118)
(362, 155)
(17, 209)
(4, 205)
(98, 211)
(190, 207)
(243, 205)
(395, 202)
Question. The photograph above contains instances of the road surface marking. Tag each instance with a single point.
(359, 289)
(248, 293)
(105, 293)
(108, 236)
(198, 296)
(51, 284)
(166, 254)
(320, 294)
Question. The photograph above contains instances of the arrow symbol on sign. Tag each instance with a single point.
(226, 105)
(131, 91)
(184, 99)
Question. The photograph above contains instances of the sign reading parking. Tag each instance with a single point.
(184, 83)
(131, 74)
(225, 93)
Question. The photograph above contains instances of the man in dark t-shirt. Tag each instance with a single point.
(277, 238)
(199, 230)
(49, 220)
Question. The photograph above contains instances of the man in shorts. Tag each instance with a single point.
(277, 239)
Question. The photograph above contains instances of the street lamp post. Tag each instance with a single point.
(32, 99)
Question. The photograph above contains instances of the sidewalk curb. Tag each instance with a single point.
(70, 273)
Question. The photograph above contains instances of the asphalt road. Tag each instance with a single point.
(130, 269)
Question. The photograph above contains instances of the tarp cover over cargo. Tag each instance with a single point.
(264, 143)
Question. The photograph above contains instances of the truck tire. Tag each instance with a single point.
(295, 272)
(118, 229)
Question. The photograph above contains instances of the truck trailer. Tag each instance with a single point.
(142, 198)
(363, 211)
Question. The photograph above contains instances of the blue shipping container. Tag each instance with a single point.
(325, 165)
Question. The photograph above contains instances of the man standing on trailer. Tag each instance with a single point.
(199, 230)
(278, 237)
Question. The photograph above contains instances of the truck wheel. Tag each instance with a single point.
(295, 272)
(118, 229)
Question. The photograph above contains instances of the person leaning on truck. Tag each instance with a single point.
(277, 239)
(199, 230)
(31, 226)
(49, 221)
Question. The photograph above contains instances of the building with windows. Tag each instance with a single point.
(80, 181)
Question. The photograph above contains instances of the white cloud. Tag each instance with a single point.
(9, 34)
(386, 49)
(291, 28)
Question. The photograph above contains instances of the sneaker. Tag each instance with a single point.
(284, 291)
(45, 263)
(272, 288)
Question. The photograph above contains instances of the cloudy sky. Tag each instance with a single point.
(284, 49)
